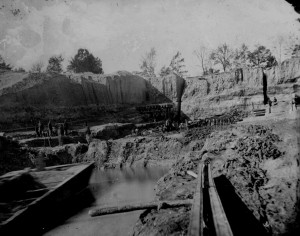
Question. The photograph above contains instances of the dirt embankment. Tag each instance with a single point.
(140, 150)
(12, 156)
(246, 88)
(27, 97)
(260, 161)
(263, 171)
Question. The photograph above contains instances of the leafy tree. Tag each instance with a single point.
(240, 57)
(4, 65)
(148, 63)
(54, 64)
(37, 67)
(165, 70)
(176, 65)
(261, 56)
(84, 61)
(223, 55)
(296, 51)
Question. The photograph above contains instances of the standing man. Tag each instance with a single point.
(49, 128)
(66, 127)
(40, 128)
(59, 134)
(88, 134)
(270, 105)
(37, 130)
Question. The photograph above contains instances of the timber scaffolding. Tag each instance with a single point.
(208, 215)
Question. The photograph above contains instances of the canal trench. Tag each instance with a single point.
(112, 187)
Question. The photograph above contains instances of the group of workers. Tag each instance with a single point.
(59, 129)
(294, 102)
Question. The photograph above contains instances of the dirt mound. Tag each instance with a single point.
(262, 170)
(112, 130)
(60, 155)
(163, 222)
(12, 156)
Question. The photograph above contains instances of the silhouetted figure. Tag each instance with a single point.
(88, 134)
(60, 131)
(270, 105)
(49, 128)
(66, 127)
(40, 128)
(37, 131)
(275, 101)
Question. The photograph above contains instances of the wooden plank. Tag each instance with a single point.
(196, 218)
(191, 173)
(221, 223)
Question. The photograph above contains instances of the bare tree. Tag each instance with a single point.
(291, 46)
(202, 53)
(222, 55)
(37, 67)
(148, 63)
(279, 44)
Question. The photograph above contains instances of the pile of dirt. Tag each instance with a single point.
(13, 189)
(12, 156)
(175, 185)
(163, 222)
(153, 149)
(260, 162)
(60, 155)
(261, 169)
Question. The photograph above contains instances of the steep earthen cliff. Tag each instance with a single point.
(246, 88)
(203, 96)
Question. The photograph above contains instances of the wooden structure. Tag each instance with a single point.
(259, 112)
(37, 206)
(207, 215)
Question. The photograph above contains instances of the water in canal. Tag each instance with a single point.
(111, 188)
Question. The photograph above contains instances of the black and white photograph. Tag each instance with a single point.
(149, 117)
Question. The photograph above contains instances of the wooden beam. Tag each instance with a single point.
(221, 223)
(196, 219)
(139, 206)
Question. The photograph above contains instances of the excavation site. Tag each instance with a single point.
(194, 134)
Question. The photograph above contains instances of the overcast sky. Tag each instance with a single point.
(121, 31)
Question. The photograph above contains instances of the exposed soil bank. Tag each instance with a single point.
(12, 156)
(260, 161)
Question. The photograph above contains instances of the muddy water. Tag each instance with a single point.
(110, 188)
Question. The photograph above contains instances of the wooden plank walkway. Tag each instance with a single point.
(220, 223)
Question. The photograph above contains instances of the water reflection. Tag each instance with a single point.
(111, 188)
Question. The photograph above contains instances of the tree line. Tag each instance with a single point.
(83, 61)
(223, 58)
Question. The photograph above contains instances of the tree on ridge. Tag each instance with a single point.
(84, 61)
